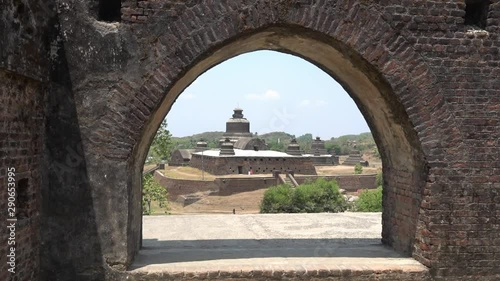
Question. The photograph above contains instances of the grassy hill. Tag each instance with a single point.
(212, 139)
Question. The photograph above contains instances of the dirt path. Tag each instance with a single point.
(242, 203)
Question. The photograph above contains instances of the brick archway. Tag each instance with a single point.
(394, 85)
(391, 84)
(404, 160)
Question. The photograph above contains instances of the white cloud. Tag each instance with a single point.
(320, 103)
(314, 103)
(187, 96)
(305, 103)
(268, 95)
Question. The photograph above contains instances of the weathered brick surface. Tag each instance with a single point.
(177, 187)
(260, 165)
(24, 43)
(427, 85)
(24, 35)
(304, 272)
(230, 185)
(21, 147)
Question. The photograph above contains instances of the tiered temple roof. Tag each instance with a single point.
(227, 148)
(294, 148)
(318, 147)
(237, 127)
(354, 159)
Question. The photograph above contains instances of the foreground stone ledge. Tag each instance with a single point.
(285, 272)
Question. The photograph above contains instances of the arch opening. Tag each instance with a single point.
(402, 156)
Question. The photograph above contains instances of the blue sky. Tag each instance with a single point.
(277, 92)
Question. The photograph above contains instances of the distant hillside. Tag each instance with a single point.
(279, 141)
(212, 139)
(363, 142)
(274, 136)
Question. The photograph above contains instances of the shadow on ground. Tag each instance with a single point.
(162, 252)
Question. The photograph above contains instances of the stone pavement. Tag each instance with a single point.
(343, 245)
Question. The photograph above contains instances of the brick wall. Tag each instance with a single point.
(178, 187)
(21, 146)
(460, 201)
(260, 165)
(230, 185)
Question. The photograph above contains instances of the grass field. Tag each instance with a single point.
(185, 172)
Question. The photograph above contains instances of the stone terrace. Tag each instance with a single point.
(295, 246)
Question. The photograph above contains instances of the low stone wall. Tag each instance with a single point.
(177, 187)
(231, 185)
(228, 186)
(325, 160)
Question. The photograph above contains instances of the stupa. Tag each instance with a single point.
(237, 127)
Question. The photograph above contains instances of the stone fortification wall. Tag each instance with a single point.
(177, 187)
(260, 165)
(230, 185)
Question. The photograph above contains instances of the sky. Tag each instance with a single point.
(277, 92)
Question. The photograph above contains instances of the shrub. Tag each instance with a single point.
(369, 201)
(315, 197)
(277, 199)
(358, 169)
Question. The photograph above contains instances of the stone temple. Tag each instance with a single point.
(354, 159)
(237, 128)
(240, 152)
(320, 156)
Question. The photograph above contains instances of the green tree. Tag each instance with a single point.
(358, 169)
(162, 144)
(152, 191)
(332, 147)
(305, 141)
(305, 137)
(277, 146)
